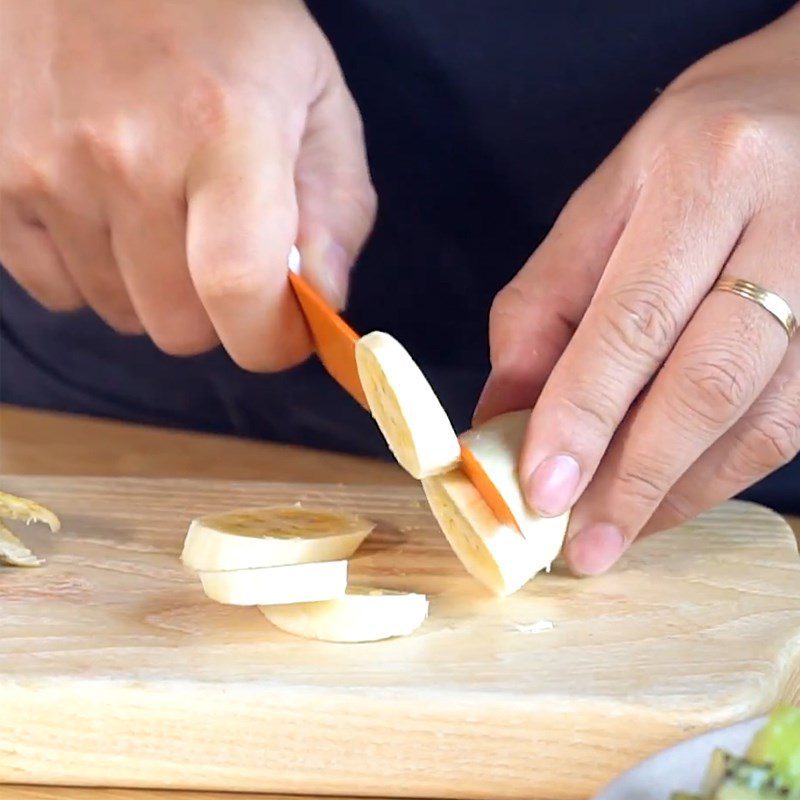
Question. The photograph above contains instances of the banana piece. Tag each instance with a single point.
(362, 615)
(14, 552)
(496, 446)
(266, 586)
(270, 537)
(405, 407)
(12, 549)
(493, 553)
(18, 508)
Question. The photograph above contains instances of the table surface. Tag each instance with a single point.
(35, 442)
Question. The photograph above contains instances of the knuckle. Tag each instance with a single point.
(206, 107)
(700, 152)
(715, 386)
(228, 280)
(269, 359)
(57, 297)
(126, 324)
(637, 322)
(60, 302)
(507, 305)
(589, 408)
(365, 199)
(770, 440)
(28, 175)
(358, 195)
(732, 134)
(188, 341)
(677, 508)
(107, 148)
(642, 483)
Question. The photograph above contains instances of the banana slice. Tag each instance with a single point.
(493, 553)
(362, 615)
(18, 508)
(266, 586)
(405, 407)
(14, 552)
(496, 446)
(271, 537)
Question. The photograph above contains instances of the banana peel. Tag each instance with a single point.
(12, 550)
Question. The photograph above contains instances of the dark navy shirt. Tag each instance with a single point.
(481, 118)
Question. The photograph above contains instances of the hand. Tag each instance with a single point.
(656, 398)
(159, 159)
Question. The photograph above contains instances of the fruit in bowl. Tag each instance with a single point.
(770, 770)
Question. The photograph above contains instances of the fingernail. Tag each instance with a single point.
(327, 266)
(553, 484)
(595, 549)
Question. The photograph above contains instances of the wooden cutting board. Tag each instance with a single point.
(115, 670)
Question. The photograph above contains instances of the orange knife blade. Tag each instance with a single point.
(334, 340)
(335, 344)
(486, 488)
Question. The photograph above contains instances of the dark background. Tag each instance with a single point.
(481, 118)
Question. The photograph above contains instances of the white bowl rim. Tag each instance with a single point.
(681, 767)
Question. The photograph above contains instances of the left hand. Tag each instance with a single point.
(655, 397)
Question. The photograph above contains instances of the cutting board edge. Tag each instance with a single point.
(664, 728)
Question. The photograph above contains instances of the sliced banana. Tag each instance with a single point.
(266, 586)
(362, 615)
(496, 446)
(14, 552)
(18, 508)
(405, 407)
(493, 553)
(271, 537)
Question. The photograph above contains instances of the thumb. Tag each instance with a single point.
(335, 198)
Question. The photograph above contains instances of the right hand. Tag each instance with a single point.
(159, 159)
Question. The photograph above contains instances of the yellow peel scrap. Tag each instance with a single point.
(13, 507)
(12, 550)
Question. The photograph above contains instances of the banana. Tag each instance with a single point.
(405, 407)
(14, 552)
(493, 553)
(362, 615)
(271, 537)
(496, 446)
(266, 586)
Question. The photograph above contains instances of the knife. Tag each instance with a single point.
(335, 345)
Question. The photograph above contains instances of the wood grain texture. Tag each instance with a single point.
(116, 671)
(20, 792)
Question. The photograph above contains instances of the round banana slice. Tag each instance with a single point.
(266, 586)
(405, 407)
(271, 537)
(493, 553)
(362, 615)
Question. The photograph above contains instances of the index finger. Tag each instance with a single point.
(242, 223)
(674, 246)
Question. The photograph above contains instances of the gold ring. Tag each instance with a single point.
(774, 303)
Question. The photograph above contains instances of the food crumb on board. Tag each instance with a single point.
(540, 626)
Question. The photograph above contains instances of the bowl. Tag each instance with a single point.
(680, 768)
